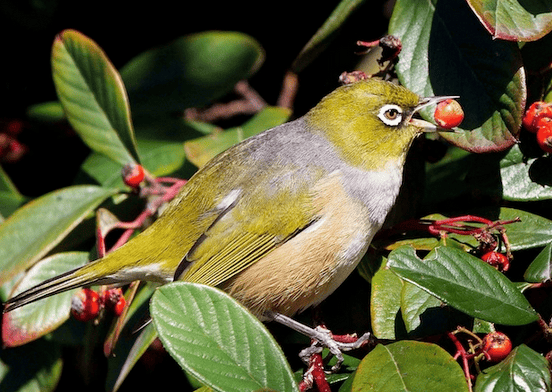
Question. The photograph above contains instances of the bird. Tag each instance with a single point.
(281, 219)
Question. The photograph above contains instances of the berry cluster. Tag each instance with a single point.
(87, 304)
(538, 119)
(448, 114)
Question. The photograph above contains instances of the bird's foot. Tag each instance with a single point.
(337, 344)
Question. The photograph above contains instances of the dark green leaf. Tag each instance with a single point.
(525, 179)
(446, 51)
(325, 33)
(523, 370)
(217, 341)
(532, 232)
(191, 71)
(32, 321)
(421, 311)
(34, 229)
(465, 283)
(540, 270)
(409, 366)
(93, 96)
(514, 20)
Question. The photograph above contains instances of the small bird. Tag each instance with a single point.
(279, 220)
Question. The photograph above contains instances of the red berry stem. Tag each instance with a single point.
(461, 352)
(315, 375)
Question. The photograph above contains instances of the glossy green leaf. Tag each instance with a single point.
(217, 341)
(532, 232)
(465, 283)
(525, 179)
(320, 40)
(200, 151)
(514, 20)
(409, 366)
(32, 321)
(191, 71)
(34, 229)
(385, 303)
(523, 370)
(35, 367)
(446, 51)
(540, 270)
(93, 96)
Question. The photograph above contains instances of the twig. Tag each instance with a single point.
(289, 90)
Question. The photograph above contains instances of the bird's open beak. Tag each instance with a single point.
(426, 126)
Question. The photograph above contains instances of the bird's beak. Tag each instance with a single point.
(426, 126)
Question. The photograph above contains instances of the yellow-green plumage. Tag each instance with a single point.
(281, 219)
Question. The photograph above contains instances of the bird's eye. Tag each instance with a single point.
(391, 115)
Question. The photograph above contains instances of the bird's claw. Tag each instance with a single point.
(324, 338)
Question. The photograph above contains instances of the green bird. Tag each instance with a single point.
(279, 220)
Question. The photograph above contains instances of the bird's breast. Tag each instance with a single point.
(311, 265)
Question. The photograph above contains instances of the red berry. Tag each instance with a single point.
(497, 345)
(544, 137)
(498, 260)
(133, 174)
(119, 306)
(448, 114)
(536, 113)
(85, 305)
(114, 300)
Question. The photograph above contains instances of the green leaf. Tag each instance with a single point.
(540, 270)
(34, 229)
(30, 322)
(525, 179)
(523, 370)
(320, 40)
(192, 71)
(93, 96)
(446, 51)
(33, 367)
(201, 150)
(465, 283)
(10, 198)
(532, 232)
(385, 303)
(158, 157)
(47, 112)
(409, 366)
(422, 312)
(217, 341)
(514, 20)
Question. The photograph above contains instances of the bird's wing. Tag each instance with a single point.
(252, 221)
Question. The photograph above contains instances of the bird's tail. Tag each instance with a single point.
(83, 276)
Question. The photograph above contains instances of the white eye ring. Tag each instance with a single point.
(390, 115)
